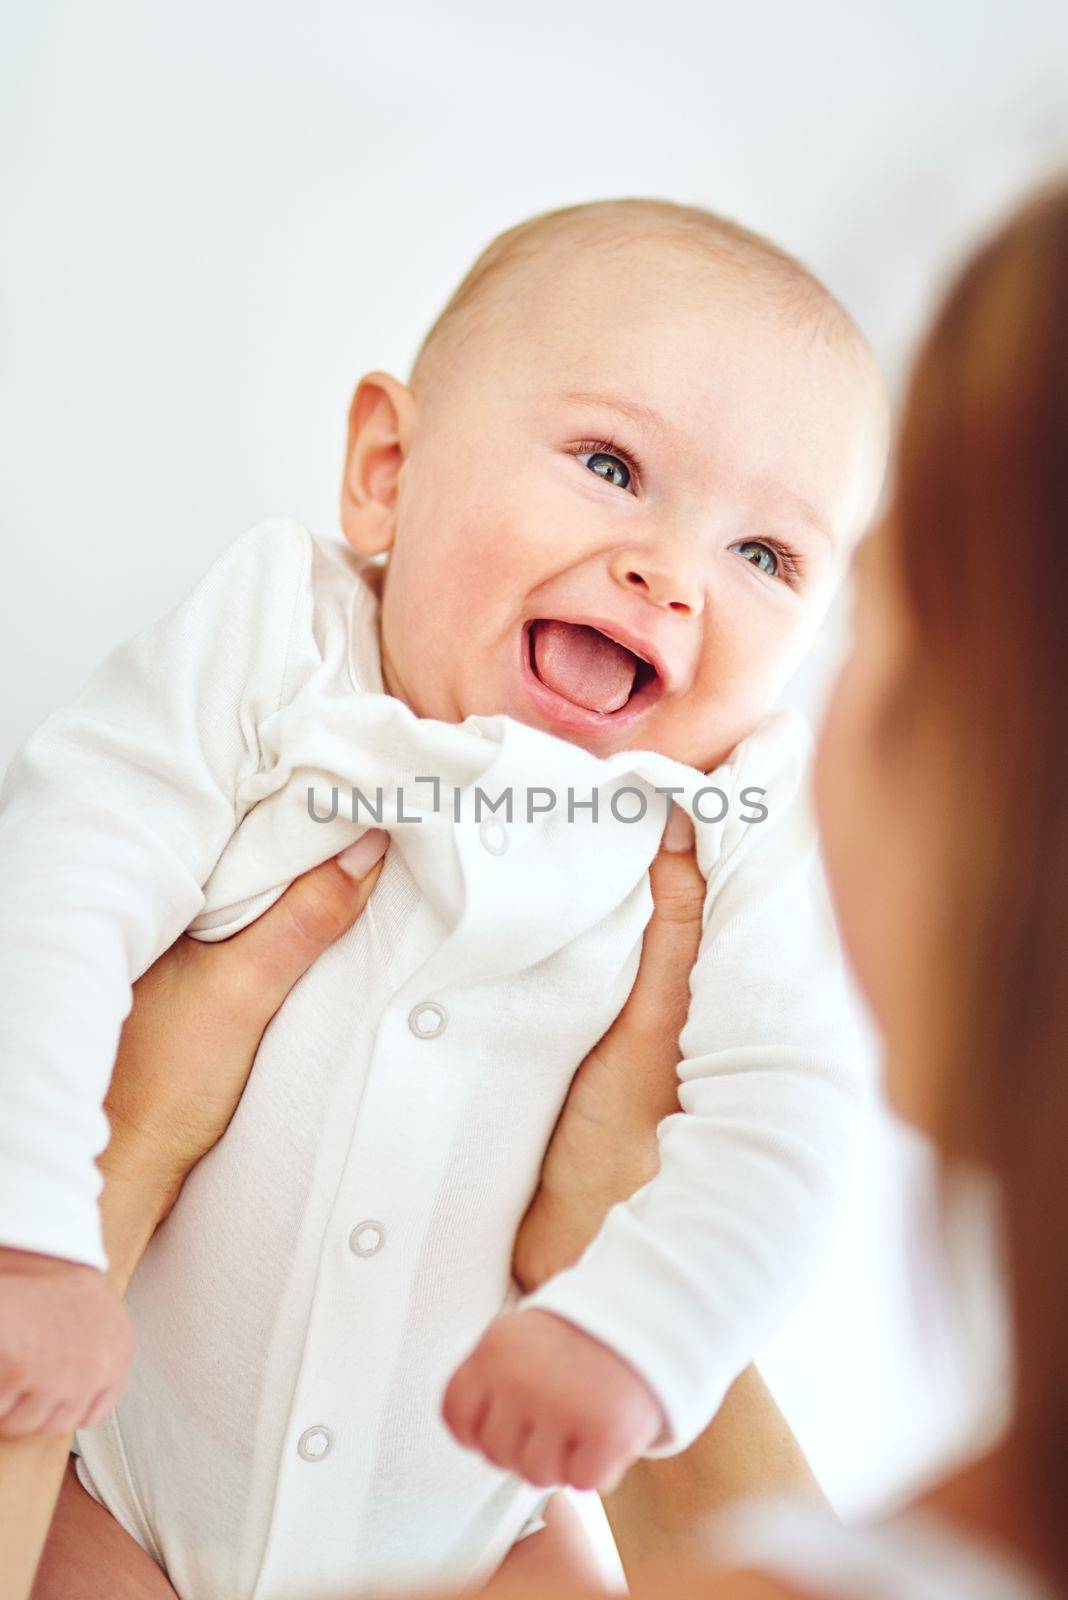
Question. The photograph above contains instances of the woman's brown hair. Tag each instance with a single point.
(980, 534)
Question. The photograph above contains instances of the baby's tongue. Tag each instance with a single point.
(583, 665)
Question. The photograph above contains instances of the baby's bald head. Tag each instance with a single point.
(634, 418)
(613, 230)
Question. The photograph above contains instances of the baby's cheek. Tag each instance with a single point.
(742, 673)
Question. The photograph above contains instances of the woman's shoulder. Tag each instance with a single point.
(739, 1584)
(777, 1548)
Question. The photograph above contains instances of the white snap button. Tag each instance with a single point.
(494, 836)
(367, 1238)
(315, 1443)
(427, 1019)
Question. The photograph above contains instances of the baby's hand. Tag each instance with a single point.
(65, 1345)
(539, 1397)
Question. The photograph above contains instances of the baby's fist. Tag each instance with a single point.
(65, 1345)
(540, 1398)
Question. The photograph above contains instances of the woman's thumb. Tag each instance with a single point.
(358, 859)
(319, 906)
(676, 880)
(660, 997)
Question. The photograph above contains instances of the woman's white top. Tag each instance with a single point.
(917, 1555)
(349, 1239)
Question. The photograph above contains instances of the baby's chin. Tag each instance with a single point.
(636, 726)
(689, 746)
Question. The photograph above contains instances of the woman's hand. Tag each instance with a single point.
(184, 1058)
(603, 1149)
(604, 1146)
(198, 1017)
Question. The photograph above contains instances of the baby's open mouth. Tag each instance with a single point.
(587, 667)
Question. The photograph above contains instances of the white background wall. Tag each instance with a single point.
(217, 216)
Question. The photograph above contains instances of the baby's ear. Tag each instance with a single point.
(381, 423)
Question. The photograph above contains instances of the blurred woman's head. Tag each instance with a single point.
(943, 773)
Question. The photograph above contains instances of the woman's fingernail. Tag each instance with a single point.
(358, 859)
(678, 835)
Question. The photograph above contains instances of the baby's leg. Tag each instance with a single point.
(90, 1557)
(557, 1557)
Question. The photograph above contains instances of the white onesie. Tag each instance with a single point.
(338, 1253)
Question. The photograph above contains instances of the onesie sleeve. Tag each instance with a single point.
(688, 1278)
(112, 816)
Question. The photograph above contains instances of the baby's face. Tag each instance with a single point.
(626, 505)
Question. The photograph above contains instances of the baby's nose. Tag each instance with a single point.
(662, 583)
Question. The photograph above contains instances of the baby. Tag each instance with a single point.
(586, 547)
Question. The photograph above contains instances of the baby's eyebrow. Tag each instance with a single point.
(801, 508)
(633, 410)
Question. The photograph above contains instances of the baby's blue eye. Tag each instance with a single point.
(764, 556)
(610, 468)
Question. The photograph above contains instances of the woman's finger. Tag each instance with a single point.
(199, 1013)
(678, 886)
(659, 1001)
(604, 1146)
(265, 959)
